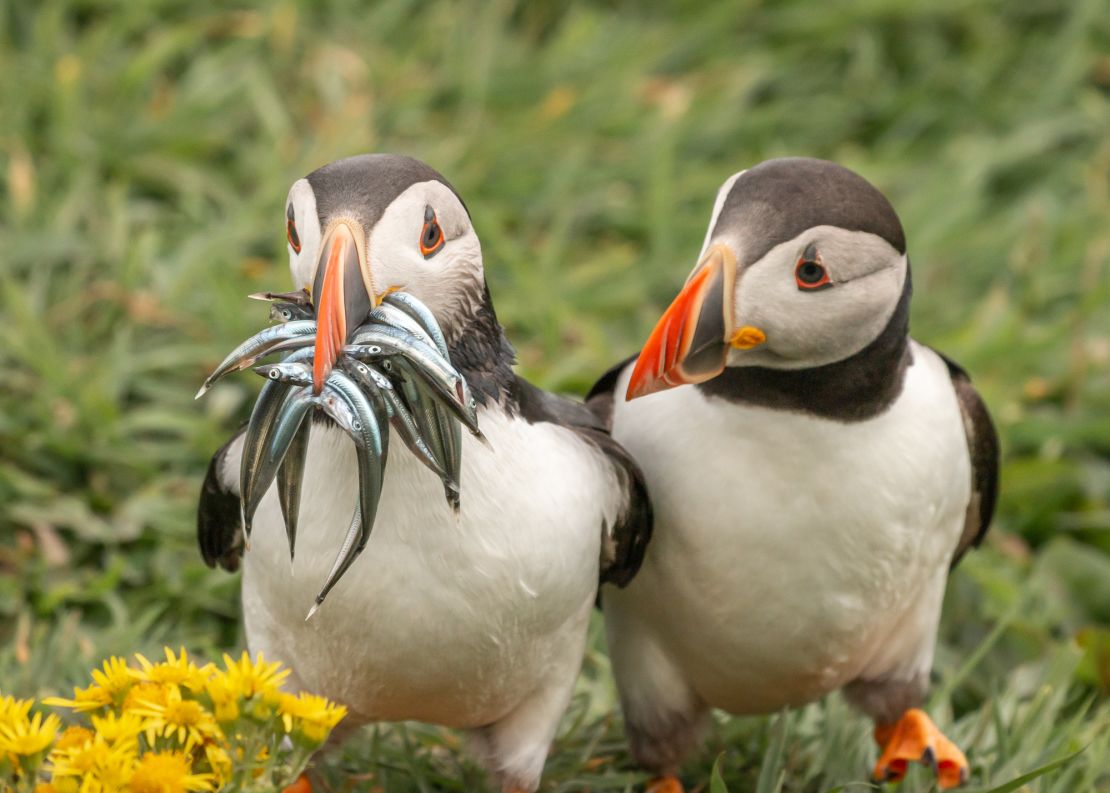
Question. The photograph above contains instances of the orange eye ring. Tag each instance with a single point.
(291, 230)
(810, 274)
(431, 236)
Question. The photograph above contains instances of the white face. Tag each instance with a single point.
(446, 275)
(818, 298)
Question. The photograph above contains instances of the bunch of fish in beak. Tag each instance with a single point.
(394, 370)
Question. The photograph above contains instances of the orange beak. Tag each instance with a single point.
(340, 296)
(690, 343)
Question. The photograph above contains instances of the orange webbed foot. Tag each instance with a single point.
(664, 784)
(302, 785)
(914, 738)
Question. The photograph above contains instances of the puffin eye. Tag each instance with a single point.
(809, 273)
(291, 230)
(431, 236)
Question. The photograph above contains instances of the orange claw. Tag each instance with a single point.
(914, 738)
(664, 784)
(302, 785)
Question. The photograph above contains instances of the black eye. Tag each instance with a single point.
(431, 236)
(809, 272)
(291, 230)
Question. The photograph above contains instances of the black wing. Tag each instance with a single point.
(622, 544)
(219, 515)
(982, 445)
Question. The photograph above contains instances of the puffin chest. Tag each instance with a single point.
(791, 539)
(437, 605)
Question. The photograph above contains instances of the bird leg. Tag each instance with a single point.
(664, 784)
(914, 738)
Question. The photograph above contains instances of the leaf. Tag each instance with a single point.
(772, 774)
(716, 781)
(1024, 779)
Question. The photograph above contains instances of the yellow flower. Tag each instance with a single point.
(12, 709)
(167, 772)
(247, 678)
(312, 716)
(218, 760)
(176, 669)
(84, 699)
(111, 682)
(99, 766)
(225, 702)
(119, 730)
(74, 736)
(28, 737)
(145, 693)
(185, 720)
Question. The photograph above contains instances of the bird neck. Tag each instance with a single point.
(859, 387)
(479, 350)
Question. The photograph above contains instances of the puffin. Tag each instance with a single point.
(475, 620)
(815, 473)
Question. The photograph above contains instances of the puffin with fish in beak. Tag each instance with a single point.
(815, 474)
(472, 617)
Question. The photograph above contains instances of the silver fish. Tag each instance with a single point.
(436, 373)
(392, 317)
(259, 429)
(371, 445)
(431, 423)
(256, 346)
(342, 561)
(288, 312)
(378, 387)
(300, 297)
(420, 312)
(292, 372)
(289, 481)
(286, 425)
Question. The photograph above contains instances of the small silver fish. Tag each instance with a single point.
(290, 478)
(371, 444)
(421, 313)
(288, 312)
(256, 346)
(436, 372)
(286, 424)
(259, 428)
(377, 386)
(300, 297)
(293, 372)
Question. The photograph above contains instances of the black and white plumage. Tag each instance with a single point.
(813, 481)
(476, 621)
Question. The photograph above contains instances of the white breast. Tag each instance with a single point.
(441, 619)
(792, 554)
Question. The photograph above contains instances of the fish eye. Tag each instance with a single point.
(375, 349)
(357, 425)
(275, 374)
(431, 236)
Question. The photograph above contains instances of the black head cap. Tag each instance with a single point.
(779, 199)
(365, 185)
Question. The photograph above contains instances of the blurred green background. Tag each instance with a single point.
(146, 148)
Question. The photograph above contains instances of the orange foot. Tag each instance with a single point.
(912, 738)
(664, 784)
(302, 785)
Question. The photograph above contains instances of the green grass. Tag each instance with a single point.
(146, 148)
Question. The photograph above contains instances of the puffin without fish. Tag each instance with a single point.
(476, 621)
(814, 480)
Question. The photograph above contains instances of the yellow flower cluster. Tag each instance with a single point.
(167, 727)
